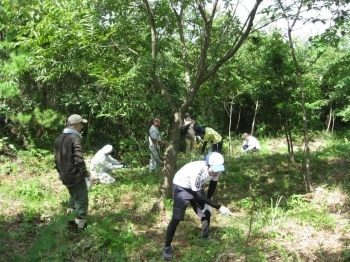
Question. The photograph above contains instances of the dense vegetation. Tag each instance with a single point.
(57, 59)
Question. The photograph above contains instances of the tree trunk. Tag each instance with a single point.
(254, 118)
(329, 118)
(287, 138)
(298, 71)
(288, 134)
(229, 110)
(229, 130)
(239, 118)
(306, 135)
(291, 146)
(170, 158)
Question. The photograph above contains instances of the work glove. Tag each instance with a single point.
(202, 157)
(88, 182)
(207, 207)
(224, 211)
(200, 139)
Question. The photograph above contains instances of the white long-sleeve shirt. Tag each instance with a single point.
(193, 176)
(252, 142)
(101, 161)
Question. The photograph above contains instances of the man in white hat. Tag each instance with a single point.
(103, 163)
(71, 167)
(188, 189)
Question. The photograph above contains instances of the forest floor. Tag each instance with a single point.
(275, 221)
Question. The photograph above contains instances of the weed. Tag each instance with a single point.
(8, 168)
(275, 210)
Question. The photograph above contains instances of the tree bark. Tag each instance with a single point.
(254, 118)
(170, 157)
(239, 118)
(289, 139)
(229, 111)
(329, 118)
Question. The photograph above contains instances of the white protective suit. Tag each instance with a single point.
(251, 144)
(102, 164)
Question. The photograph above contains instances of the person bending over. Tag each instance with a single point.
(103, 163)
(209, 135)
(188, 189)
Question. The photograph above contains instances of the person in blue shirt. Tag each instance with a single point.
(155, 143)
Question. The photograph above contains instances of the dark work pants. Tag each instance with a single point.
(182, 197)
(79, 199)
(217, 147)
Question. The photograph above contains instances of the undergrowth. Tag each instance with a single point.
(274, 218)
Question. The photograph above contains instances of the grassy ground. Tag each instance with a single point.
(274, 218)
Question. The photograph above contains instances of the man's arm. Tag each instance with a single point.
(113, 161)
(201, 195)
(78, 157)
(251, 144)
(153, 135)
(112, 164)
(157, 141)
(247, 145)
(211, 189)
(204, 146)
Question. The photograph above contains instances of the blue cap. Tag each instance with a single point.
(216, 161)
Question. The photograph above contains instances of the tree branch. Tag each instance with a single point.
(235, 47)
(157, 81)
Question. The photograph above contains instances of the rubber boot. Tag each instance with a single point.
(80, 222)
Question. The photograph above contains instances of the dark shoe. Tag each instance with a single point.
(207, 238)
(167, 253)
(71, 223)
(73, 227)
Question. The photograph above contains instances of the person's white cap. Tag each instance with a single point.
(76, 119)
(216, 161)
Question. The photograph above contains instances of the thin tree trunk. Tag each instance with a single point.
(254, 118)
(291, 154)
(239, 118)
(329, 118)
(229, 129)
(288, 142)
(288, 135)
(306, 135)
(298, 71)
(229, 111)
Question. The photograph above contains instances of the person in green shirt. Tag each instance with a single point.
(209, 135)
